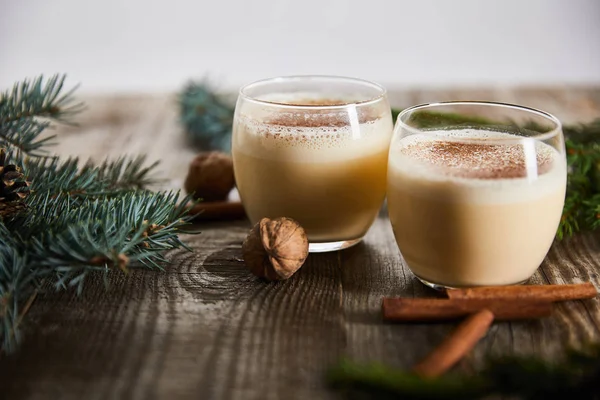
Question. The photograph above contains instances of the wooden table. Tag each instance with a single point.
(207, 329)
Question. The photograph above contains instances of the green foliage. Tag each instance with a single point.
(80, 218)
(27, 109)
(577, 376)
(582, 202)
(110, 177)
(206, 117)
(383, 382)
(17, 283)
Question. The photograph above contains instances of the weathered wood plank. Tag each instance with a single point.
(206, 328)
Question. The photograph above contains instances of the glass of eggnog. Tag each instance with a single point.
(475, 191)
(315, 149)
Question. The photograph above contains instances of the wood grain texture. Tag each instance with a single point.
(205, 328)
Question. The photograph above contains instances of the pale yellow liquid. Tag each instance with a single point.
(331, 182)
(460, 231)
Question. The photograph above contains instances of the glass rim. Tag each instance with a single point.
(542, 136)
(362, 82)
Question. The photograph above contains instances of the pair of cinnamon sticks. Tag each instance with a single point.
(481, 305)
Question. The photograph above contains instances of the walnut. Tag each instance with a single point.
(210, 176)
(275, 248)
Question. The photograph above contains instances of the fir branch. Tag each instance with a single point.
(117, 218)
(24, 137)
(104, 234)
(582, 202)
(28, 109)
(73, 221)
(36, 98)
(127, 173)
(206, 116)
(583, 133)
(382, 382)
(68, 239)
(16, 284)
(55, 176)
(52, 175)
(525, 377)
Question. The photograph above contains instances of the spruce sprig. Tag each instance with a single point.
(582, 203)
(77, 219)
(576, 376)
(110, 177)
(40, 99)
(28, 109)
(206, 116)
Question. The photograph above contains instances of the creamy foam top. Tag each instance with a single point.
(312, 133)
(479, 157)
(474, 172)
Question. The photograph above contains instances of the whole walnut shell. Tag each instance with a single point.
(275, 248)
(210, 176)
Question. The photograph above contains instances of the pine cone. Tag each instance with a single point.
(13, 187)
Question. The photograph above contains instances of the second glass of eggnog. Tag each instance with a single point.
(475, 191)
(315, 149)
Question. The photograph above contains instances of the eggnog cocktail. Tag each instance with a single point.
(314, 149)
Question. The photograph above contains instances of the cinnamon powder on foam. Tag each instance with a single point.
(316, 127)
(479, 161)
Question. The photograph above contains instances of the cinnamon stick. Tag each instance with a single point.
(456, 345)
(527, 292)
(218, 210)
(413, 310)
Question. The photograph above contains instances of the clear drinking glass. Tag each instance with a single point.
(475, 191)
(315, 149)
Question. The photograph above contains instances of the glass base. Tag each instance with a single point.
(441, 287)
(332, 246)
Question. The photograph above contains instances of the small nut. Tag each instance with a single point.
(210, 176)
(275, 248)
